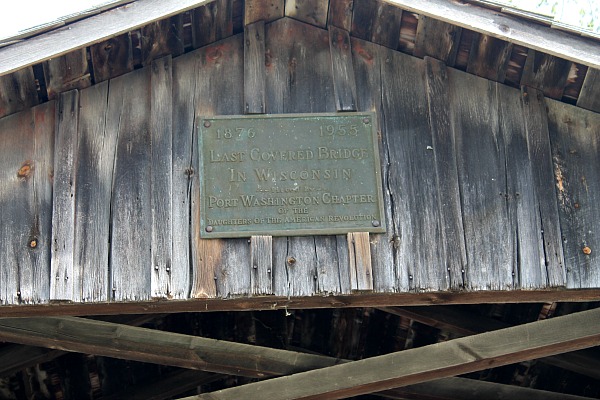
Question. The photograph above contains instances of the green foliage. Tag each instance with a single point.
(582, 13)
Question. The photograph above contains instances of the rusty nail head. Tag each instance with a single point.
(209, 228)
(33, 243)
(207, 124)
(291, 260)
(375, 223)
(255, 266)
(366, 120)
(587, 251)
(268, 271)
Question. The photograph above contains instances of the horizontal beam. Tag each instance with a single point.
(440, 360)
(514, 30)
(149, 345)
(89, 31)
(291, 303)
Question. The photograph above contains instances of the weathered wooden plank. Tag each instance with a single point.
(67, 72)
(259, 10)
(17, 91)
(212, 22)
(368, 59)
(480, 152)
(161, 38)
(163, 281)
(95, 157)
(35, 276)
(131, 214)
(446, 170)
(312, 12)
(24, 207)
(184, 97)
(489, 57)
(254, 68)
(440, 360)
(412, 178)
(344, 82)
(340, 14)
(575, 147)
(546, 73)
(359, 256)
(543, 183)
(378, 22)
(437, 39)
(333, 275)
(261, 262)
(588, 97)
(224, 263)
(299, 80)
(63, 210)
(112, 58)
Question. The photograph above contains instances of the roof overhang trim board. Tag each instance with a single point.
(90, 31)
(142, 12)
(496, 24)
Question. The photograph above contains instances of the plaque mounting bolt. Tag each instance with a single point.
(366, 120)
(207, 124)
(375, 223)
(209, 228)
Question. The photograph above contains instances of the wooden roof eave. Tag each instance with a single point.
(139, 13)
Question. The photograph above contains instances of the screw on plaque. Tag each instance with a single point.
(209, 228)
(375, 223)
(207, 124)
(366, 120)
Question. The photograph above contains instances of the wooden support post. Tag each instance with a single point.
(254, 68)
(359, 252)
(344, 82)
(440, 360)
(261, 262)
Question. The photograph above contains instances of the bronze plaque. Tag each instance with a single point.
(288, 175)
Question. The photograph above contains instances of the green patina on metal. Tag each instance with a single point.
(288, 175)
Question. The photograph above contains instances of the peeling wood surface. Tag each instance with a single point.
(475, 175)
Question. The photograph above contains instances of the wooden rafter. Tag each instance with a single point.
(459, 356)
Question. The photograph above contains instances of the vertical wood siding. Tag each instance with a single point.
(483, 184)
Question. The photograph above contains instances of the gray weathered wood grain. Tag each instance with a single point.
(489, 57)
(437, 39)
(368, 59)
(254, 68)
(378, 22)
(26, 141)
(17, 91)
(112, 57)
(95, 156)
(480, 152)
(312, 12)
(261, 262)
(588, 97)
(546, 73)
(131, 216)
(575, 147)
(226, 262)
(543, 183)
(258, 10)
(299, 80)
(412, 174)
(67, 72)
(63, 210)
(161, 38)
(443, 143)
(340, 14)
(344, 82)
(165, 276)
(212, 22)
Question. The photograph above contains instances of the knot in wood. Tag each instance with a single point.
(291, 260)
(25, 171)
